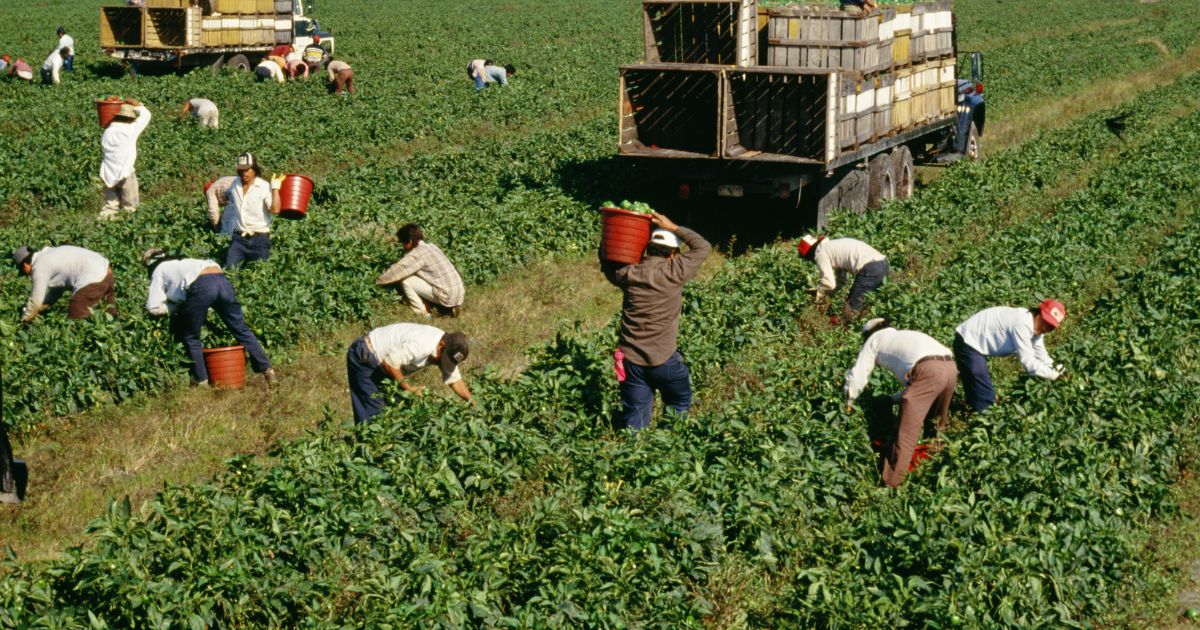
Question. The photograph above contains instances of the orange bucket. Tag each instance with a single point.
(226, 366)
(107, 108)
(624, 235)
(294, 195)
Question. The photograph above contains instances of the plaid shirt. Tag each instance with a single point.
(427, 262)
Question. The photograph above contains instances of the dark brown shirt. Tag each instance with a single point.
(654, 299)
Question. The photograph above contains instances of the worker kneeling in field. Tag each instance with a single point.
(20, 69)
(926, 368)
(1002, 331)
(204, 111)
(653, 301)
(427, 277)
(119, 144)
(186, 288)
(55, 269)
(251, 204)
(394, 351)
(839, 257)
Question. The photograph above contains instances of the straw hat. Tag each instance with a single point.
(127, 111)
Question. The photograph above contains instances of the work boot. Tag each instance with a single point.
(107, 214)
(9, 497)
(203, 383)
(455, 311)
(270, 377)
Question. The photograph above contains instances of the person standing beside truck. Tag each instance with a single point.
(425, 274)
(56, 269)
(315, 55)
(252, 204)
(1004, 331)
(839, 257)
(342, 76)
(398, 350)
(52, 66)
(67, 42)
(650, 310)
(119, 145)
(202, 110)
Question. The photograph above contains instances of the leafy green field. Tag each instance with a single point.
(762, 507)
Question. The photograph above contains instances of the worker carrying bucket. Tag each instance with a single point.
(647, 355)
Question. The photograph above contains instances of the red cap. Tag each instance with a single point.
(1053, 312)
(209, 185)
(807, 243)
(316, 38)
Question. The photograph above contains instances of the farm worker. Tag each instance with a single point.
(67, 42)
(253, 203)
(425, 274)
(315, 55)
(8, 479)
(20, 70)
(269, 69)
(186, 288)
(341, 75)
(652, 303)
(5, 61)
(395, 351)
(1002, 331)
(216, 193)
(295, 65)
(203, 110)
(119, 144)
(56, 269)
(839, 257)
(926, 368)
(857, 7)
(475, 71)
(51, 67)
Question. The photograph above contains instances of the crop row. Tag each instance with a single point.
(761, 506)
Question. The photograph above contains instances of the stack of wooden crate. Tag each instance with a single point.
(248, 22)
(931, 64)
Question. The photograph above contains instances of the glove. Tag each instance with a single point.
(276, 182)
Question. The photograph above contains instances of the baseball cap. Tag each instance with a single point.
(61, 30)
(316, 39)
(153, 255)
(664, 238)
(246, 161)
(20, 254)
(807, 243)
(1053, 312)
(874, 324)
(454, 352)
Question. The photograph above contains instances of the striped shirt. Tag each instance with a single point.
(427, 262)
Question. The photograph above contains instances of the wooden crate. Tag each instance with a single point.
(225, 6)
(167, 4)
(120, 27)
(671, 110)
(283, 6)
(946, 72)
(172, 28)
(231, 36)
(212, 37)
(283, 37)
(902, 114)
(946, 99)
(776, 113)
(247, 7)
(264, 6)
(817, 37)
(703, 32)
(884, 97)
(919, 108)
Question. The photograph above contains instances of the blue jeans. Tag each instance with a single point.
(69, 63)
(869, 278)
(214, 291)
(976, 380)
(241, 248)
(637, 392)
(47, 77)
(478, 83)
(365, 375)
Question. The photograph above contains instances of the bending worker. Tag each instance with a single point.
(395, 351)
(251, 205)
(186, 288)
(270, 68)
(119, 144)
(427, 277)
(204, 110)
(837, 258)
(52, 66)
(216, 197)
(926, 368)
(1001, 331)
(66, 44)
(653, 301)
(341, 75)
(56, 269)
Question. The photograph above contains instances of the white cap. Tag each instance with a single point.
(664, 238)
(873, 324)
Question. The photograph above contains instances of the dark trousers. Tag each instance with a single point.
(8, 481)
(214, 291)
(637, 392)
(928, 393)
(85, 298)
(365, 376)
(869, 278)
(47, 77)
(247, 249)
(69, 63)
(976, 380)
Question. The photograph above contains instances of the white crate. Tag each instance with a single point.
(266, 22)
(887, 29)
(211, 23)
(283, 25)
(883, 95)
(903, 22)
(247, 23)
(283, 6)
(947, 74)
(865, 101)
(230, 23)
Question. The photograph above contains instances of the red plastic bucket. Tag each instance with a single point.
(226, 366)
(624, 235)
(107, 108)
(293, 196)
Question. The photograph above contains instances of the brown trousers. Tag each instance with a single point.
(344, 80)
(84, 299)
(930, 387)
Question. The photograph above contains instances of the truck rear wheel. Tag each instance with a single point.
(902, 163)
(882, 186)
(972, 151)
(238, 62)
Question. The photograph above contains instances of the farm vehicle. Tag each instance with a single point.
(817, 108)
(180, 34)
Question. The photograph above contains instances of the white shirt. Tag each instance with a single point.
(896, 350)
(251, 210)
(842, 255)
(218, 197)
(170, 281)
(119, 143)
(408, 347)
(1002, 331)
(66, 41)
(202, 107)
(276, 71)
(53, 63)
(61, 267)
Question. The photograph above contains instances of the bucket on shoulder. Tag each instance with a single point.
(624, 235)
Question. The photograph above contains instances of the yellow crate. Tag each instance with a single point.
(946, 98)
(231, 37)
(212, 38)
(264, 6)
(902, 114)
(900, 48)
(225, 6)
